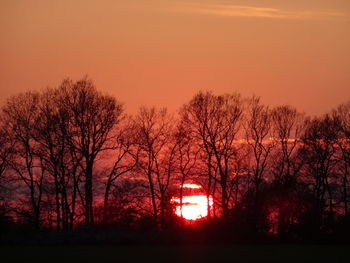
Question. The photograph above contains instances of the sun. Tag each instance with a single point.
(194, 203)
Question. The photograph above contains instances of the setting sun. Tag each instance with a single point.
(191, 186)
(194, 206)
(174, 131)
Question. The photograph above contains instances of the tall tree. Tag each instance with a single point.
(93, 117)
(260, 145)
(288, 127)
(214, 122)
(342, 115)
(319, 153)
(20, 115)
(188, 159)
(157, 155)
(258, 136)
(52, 135)
(124, 154)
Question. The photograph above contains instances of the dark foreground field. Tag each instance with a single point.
(100, 254)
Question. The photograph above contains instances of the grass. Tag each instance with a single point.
(168, 254)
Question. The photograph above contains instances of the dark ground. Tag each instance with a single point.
(226, 253)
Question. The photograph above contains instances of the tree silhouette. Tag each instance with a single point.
(20, 116)
(157, 155)
(214, 121)
(70, 157)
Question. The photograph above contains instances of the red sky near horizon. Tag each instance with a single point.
(161, 52)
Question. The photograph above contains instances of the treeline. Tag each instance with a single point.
(70, 156)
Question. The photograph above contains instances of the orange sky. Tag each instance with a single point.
(148, 52)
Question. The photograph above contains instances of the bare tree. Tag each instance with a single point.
(319, 153)
(125, 154)
(258, 135)
(288, 127)
(53, 135)
(188, 157)
(6, 149)
(20, 116)
(157, 155)
(51, 147)
(93, 117)
(214, 122)
(342, 115)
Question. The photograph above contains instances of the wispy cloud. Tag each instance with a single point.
(253, 11)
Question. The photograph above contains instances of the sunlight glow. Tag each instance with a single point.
(192, 186)
(193, 206)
